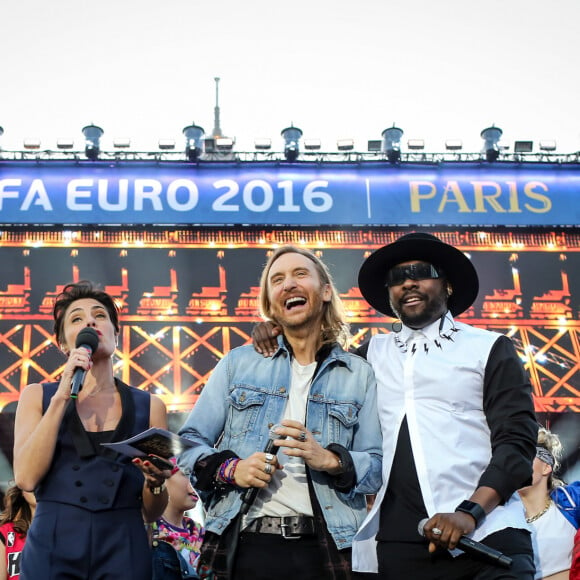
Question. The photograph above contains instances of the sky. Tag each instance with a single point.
(144, 69)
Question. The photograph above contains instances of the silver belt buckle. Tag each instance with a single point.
(285, 534)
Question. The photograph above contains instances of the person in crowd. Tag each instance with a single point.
(552, 509)
(317, 404)
(175, 537)
(15, 520)
(91, 501)
(457, 419)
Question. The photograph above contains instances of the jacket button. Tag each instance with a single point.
(104, 500)
(79, 483)
(83, 499)
(76, 467)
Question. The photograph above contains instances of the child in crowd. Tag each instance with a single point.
(176, 538)
(15, 520)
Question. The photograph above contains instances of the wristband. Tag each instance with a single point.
(473, 509)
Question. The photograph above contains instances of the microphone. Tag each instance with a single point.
(251, 493)
(476, 549)
(88, 339)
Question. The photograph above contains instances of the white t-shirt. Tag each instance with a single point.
(552, 540)
(287, 494)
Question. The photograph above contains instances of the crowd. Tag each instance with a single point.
(416, 456)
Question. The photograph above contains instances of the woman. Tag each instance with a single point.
(552, 509)
(15, 520)
(176, 538)
(91, 502)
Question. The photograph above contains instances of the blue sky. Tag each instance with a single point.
(144, 69)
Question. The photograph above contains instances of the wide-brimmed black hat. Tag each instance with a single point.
(457, 268)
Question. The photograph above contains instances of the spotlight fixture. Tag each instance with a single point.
(122, 143)
(166, 144)
(64, 143)
(92, 135)
(416, 144)
(312, 144)
(31, 143)
(263, 144)
(544, 145)
(224, 143)
(523, 146)
(491, 137)
(193, 141)
(291, 137)
(345, 144)
(454, 144)
(392, 143)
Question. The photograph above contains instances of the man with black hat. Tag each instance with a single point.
(458, 424)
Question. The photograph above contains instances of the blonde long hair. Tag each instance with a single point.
(552, 443)
(335, 328)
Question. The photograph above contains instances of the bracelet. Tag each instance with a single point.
(225, 473)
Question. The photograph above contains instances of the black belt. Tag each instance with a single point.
(288, 527)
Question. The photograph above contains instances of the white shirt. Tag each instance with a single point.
(553, 540)
(288, 493)
(435, 378)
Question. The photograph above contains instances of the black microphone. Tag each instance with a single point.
(476, 549)
(88, 339)
(251, 493)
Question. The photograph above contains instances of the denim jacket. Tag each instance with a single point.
(246, 395)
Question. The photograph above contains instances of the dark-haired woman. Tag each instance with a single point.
(91, 502)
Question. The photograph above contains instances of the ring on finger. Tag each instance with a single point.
(436, 532)
(268, 469)
(302, 436)
(269, 458)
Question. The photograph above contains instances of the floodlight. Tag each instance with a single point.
(312, 144)
(166, 144)
(416, 144)
(64, 143)
(122, 143)
(291, 137)
(345, 144)
(193, 141)
(224, 143)
(544, 145)
(491, 137)
(263, 144)
(92, 135)
(374, 145)
(454, 144)
(31, 143)
(392, 143)
(523, 146)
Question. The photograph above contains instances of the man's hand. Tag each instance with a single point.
(264, 338)
(451, 528)
(300, 442)
(256, 470)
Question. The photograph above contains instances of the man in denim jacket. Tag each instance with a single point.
(314, 401)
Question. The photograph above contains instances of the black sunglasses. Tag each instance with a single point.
(421, 271)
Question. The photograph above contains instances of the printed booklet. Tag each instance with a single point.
(154, 441)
